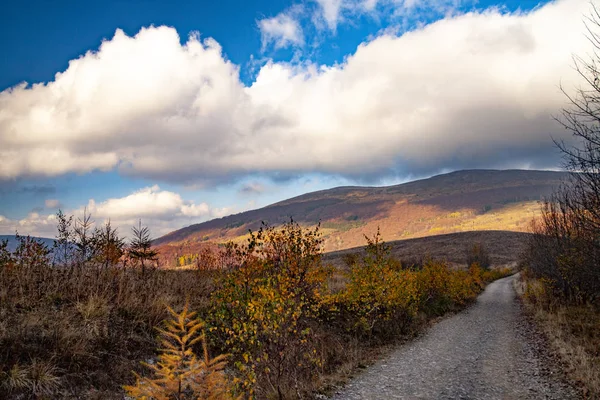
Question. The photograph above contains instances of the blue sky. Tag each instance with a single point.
(266, 100)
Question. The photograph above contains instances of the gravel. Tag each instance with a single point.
(489, 351)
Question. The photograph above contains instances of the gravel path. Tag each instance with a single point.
(490, 351)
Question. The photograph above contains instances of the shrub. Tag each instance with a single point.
(378, 292)
(266, 305)
(478, 254)
(38, 379)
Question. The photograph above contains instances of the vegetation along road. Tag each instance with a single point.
(489, 351)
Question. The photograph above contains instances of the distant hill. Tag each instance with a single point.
(460, 201)
(13, 243)
(503, 247)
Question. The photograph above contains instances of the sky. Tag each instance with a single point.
(177, 112)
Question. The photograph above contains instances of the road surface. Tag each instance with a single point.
(489, 351)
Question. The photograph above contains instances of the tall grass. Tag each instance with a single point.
(85, 328)
(291, 325)
(572, 330)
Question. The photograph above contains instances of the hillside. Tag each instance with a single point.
(13, 243)
(503, 247)
(455, 202)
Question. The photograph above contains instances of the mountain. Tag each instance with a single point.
(13, 243)
(455, 202)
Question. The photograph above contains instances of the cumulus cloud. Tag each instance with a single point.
(469, 90)
(158, 208)
(282, 30)
(35, 224)
(163, 211)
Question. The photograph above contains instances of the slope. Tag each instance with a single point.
(454, 202)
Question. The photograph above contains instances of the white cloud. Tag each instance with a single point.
(282, 30)
(369, 5)
(34, 224)
(331, 12)
(472, 90)
(52, 203)
(163, 211)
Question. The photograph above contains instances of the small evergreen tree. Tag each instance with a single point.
(140, 249)
(7, 259)
(83, 238)
(109, 245)
(179, 373)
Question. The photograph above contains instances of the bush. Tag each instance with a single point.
(382, 297)
(478, 254)
(266, 305)
(378, 293)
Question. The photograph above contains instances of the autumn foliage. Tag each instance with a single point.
(266, 305)
(269, 304)
(383, 297)
(276, 315)
(178, 373)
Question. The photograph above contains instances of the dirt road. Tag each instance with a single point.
(490, 351)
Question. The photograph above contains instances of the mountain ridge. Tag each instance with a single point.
(452, 202)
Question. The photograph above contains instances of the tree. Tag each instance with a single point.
(265, 306)
(83, 238)
(178, 373)
(108, 244)
(565, 247)
(478, 254)
(30, 253)
(7, 260)
(63, 245)
(140, 249)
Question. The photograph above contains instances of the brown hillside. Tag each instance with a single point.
(503, 247)
(454, 202)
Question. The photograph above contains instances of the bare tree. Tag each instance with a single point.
(63, 245)
(565, 247)
(478, 254)
(582, 119)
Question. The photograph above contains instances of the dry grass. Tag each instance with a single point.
(504, 248)
(573, 332)
(79, 332)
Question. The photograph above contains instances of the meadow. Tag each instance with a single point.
(262, 319)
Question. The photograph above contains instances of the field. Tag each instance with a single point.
(288, 326)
